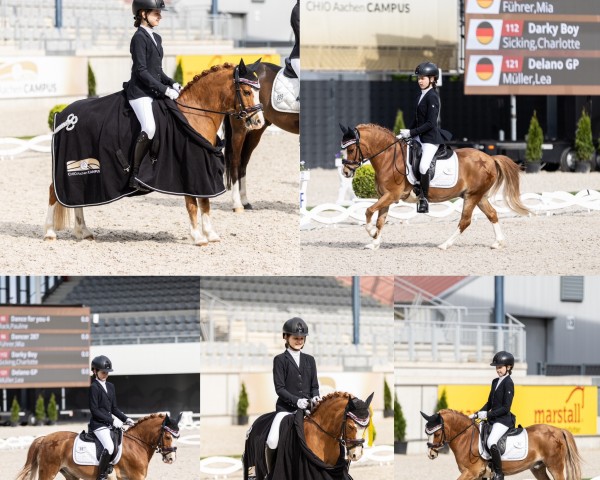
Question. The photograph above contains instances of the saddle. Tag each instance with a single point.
(513, 445)
(444, 152)
(285, 93)
(88, 448)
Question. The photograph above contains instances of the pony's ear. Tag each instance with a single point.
(243, 68)
(369, 398)
(166, 419)
(254, 66)
(344, 129)
(429, 418)
(178, 419)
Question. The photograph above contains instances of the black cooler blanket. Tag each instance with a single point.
(294, 459)
(91, 161)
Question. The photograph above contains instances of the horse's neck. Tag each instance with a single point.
(203, 95)
(148, 434)
(377, 141)
(322, 445)
(462, 438)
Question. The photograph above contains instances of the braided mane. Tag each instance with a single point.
(214, 68)
(329, 397)
(148, 417)
(379, 127)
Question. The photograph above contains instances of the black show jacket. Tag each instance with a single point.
(102, 405)
(425, 123)
(500, 401)
(293, 383)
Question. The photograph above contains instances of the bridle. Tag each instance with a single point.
(159, 446)
(242, 113)
(444, 441)
(359, 157)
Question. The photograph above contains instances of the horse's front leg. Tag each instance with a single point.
(207, 227)
(382, 206)
(80, 230)
(465, 220)
(198, 236)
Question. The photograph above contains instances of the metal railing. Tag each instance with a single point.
(456, 334)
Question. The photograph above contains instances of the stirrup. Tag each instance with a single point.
(423, 205)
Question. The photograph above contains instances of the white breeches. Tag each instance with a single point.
(103, 434)
(497, 431)
(273, 438)
(429, 150)
(143, 111)
(295, 62)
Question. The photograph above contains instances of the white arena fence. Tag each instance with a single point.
(222, 467)
(13, 147)
(544, 203)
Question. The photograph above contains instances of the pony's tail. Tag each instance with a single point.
(573, 459)
(61, 216)
(508, 174)
(227, 138)
(30, 469)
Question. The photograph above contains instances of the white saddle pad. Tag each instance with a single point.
(84, 453)
(446, 172)
(285, 94)
(516, 447)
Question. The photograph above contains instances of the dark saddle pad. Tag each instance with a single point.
(487, 429)
(416, 152)
(115, 434)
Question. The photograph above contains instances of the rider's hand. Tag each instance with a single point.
(177, 87)
(171, 93)
(482, 415)
(315, 400)
(472, 416)
(129, 422)
(302, 403)
(404, 133)
(117, 423)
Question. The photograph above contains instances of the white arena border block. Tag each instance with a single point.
(40, 144)
(546, 202)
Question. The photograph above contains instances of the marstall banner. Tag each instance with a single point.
(195, 64)
(34, 77)
(571, 407)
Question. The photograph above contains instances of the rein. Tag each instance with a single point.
(349, 444)
(362, 159)
(443, 442)
(243, 112)
(158, 447)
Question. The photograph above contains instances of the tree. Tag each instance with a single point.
(52, 409)
(242, 408)
(442, 403)
(40, 410)
(15, 409)
(399, 124)
(535, 138)
(387, 396)
(399, 422)
(178, 76)
(584, 143)
(91, 82)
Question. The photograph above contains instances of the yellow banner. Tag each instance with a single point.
(194, 64)
(572, 407)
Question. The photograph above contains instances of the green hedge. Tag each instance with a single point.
(55, 109)
(363, 182)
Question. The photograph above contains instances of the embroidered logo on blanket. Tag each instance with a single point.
(83, 167)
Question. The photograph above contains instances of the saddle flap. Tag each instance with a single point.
(285, 94)
(513, 445)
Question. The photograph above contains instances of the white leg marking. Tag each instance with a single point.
(371, 229)
(450, 241)
(235, 195)
(198, 237)
(81, 231)
(374, 245)
(49, 233)
(208, 230)
(243, 191)
(500, 240)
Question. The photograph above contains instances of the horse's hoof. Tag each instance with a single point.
(201, 243)
(443, 246)
(248, 206)
(372, 246)
(49, 238)
(213, 237)
(89, 237)
(498, 245)
(238, 210)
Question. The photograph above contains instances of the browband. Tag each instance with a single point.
(363, 422)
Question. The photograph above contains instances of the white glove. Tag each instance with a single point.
(117, 423)
(482, 415)
(302, 403)
(472, 416)
(404, 133)
(177, 87)
(129, 422)
(314, 400)
(171, 93)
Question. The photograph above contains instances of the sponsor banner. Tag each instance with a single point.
(573, 408)
(512, 74)
(497, 34)
(195, 64)
(552, 7)
(34, 77)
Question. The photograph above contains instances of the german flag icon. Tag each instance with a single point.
(484, 69)
(484, 33)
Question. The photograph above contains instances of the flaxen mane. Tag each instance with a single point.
(214, 68)
(329, 397)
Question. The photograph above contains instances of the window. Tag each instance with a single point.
(571, 289)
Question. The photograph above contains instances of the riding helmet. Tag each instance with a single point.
(138, 5)
(503, 358)
(102, 363)
(296, 327)
(427, 69)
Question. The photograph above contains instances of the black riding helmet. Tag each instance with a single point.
(102, 363)
(503, 358)
(427, 69)
(138, 5)
(296, 327)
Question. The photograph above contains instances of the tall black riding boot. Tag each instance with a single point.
(423, 206)
(103, 465)
(497, 462)
(142, 146)
(270, 455)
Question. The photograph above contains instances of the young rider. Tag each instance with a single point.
(497, 408)
(425, 126)
(295, 380)
(103, 405)
(148, 81)
(295, 22)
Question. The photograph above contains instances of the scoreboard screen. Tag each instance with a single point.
(44, 347)
(526, 47)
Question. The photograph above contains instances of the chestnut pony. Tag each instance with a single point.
(551, 449)
(241, 142)
(480, 176)
(53, 454)
(205, 101)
